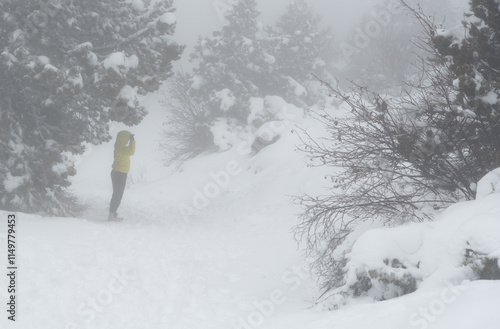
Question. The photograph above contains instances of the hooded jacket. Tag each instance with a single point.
(123, 152)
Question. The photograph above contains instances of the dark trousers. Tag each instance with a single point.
(118, 179)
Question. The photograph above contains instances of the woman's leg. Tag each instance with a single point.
(119, 180)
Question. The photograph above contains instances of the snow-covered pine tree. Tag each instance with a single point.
(474, 61)
(67, 69)
(232, 65)
(301, 48)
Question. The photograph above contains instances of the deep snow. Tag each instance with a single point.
(232, 263)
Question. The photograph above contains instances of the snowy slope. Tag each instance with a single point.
(474, 305)
(160, 268)
(232, 263)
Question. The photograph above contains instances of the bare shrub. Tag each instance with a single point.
(186, 132)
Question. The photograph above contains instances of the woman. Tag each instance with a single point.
(124, 148)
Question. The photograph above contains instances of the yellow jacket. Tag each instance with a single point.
(123, 152)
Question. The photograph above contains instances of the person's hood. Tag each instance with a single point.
(122, 138)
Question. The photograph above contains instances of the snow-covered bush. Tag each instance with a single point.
(270, 116)
(190, 130)
(272, 108)
(228, 133)
(489, 184)
(462, 244)
(483, 266)
(394, 280)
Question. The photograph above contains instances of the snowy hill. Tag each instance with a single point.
(160, 268)
(232, 263)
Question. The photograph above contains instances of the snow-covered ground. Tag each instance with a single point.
(211, 246)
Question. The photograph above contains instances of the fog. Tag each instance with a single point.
(201, 17)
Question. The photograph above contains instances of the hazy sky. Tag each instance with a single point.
(200, 17)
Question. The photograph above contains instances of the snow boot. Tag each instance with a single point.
(113, 217)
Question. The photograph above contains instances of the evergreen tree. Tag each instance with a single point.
(300, 47)
(473, 126)
(475, 61)
(67, 69)
(232, 65)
